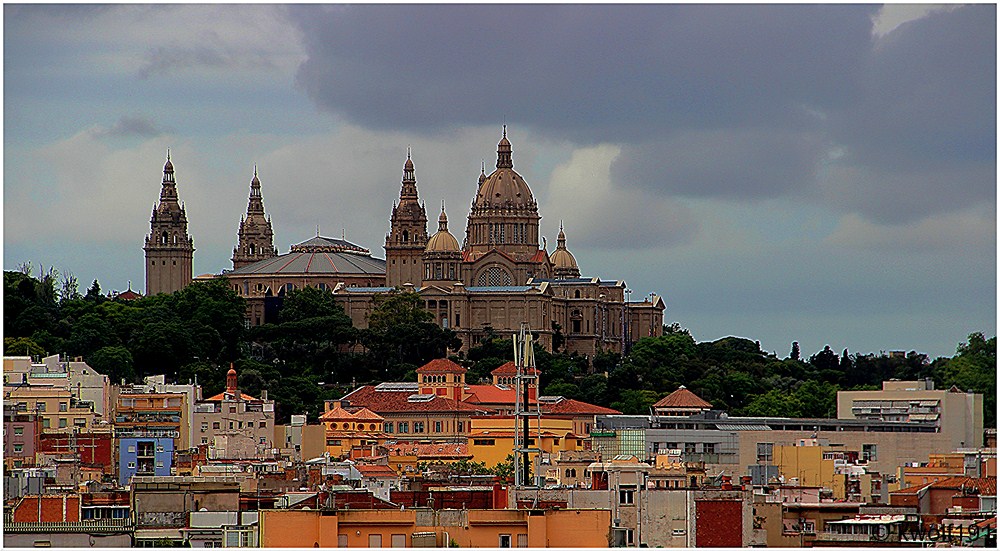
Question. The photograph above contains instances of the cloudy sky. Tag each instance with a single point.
(821, 174)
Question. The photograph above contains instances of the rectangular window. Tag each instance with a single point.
(131, 464)
(40, 407)
(64, 406)
(504, 540)
(62, 422)
(262, 425)
(18, 431)
(522, 540)
(404, 427)
(461, 426)
(80, 421)
(342, 538)
(18, 448)
(765, 451)
(204, 426)
(437, 426)
(388, 427)
(626, 496)
(215, 425)
(204, 440)
(374, 540)
(418, 426)
(484, 442)
(399, 540)
(45, 423)
(869, 452)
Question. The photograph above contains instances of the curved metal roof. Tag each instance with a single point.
(318, 256)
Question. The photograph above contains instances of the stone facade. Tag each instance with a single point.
(256, 238)
(169, 248)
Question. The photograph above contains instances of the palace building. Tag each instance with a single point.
(497, 277)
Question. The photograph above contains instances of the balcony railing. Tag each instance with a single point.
(86, 526)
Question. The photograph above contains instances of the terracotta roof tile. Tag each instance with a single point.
(219, 397)
(571, 406)
(393, 401)
(682, 398)
(510, 369)
(441, 365)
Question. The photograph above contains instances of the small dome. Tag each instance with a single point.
(562, 258)
(443, 240)
(563, 262)
(232, 370)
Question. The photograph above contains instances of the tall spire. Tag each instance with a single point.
(409, 189)
(443, 219)
(255, 239)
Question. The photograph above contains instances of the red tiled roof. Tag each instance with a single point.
(395, 401)
(571, 406)
(219, 397)
(376, 471)
(682, 398)
(510, 369)
(986, 486)
(489, 394)
(367, 414)
(441, 365)
(539, 256)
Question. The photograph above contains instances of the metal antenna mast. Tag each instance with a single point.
(524, 361)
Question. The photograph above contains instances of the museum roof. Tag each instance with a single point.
(316, 256)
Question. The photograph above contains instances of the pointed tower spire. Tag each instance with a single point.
(169, 249)
(255, 239)
(408, 231)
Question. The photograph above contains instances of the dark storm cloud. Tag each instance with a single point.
(739, 102)
(600, 73)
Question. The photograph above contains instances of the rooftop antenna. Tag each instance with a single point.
(317, 230)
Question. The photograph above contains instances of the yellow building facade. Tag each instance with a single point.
(492, 438)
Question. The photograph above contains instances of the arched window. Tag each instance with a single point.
(406, 236)
(576, 294)
(164, 239)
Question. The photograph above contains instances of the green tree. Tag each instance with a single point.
(115, 362)
(22, 346)
(401, 334)
(635, 402)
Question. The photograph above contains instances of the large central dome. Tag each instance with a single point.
(505, 187)
(504, 215)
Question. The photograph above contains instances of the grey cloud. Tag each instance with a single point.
(928, 95)
(597, 73)
(738, 164)
(131, 125)
(163, 61)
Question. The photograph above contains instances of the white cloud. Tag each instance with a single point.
(599, 214)
(972, 229)
(892, 16)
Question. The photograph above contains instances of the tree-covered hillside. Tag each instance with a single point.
(314, 353)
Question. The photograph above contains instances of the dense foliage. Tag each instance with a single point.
(314, 353)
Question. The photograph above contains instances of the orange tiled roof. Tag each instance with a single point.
(441, 365)
(220, 396)
(986, 486)
(682, 398)
(491, 394)
(396, 401)
(367, 414)
(510, 369)
(572, 407)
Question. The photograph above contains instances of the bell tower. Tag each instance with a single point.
(407, 237)
(169, 248)
(256, 239)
